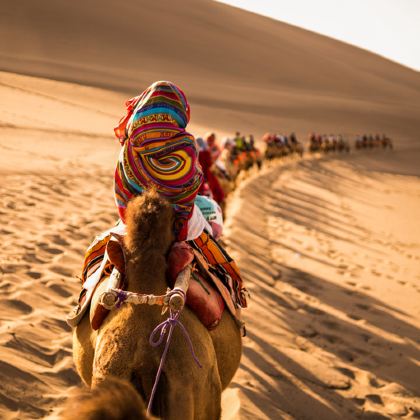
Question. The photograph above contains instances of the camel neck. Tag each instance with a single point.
(147, 274)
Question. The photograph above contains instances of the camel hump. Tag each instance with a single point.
(149, 220)
(113, 398)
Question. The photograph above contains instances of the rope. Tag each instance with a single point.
(116, 297)
(121, 298)
(162, 328)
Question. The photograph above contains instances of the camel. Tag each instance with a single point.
(120, 348)
(112, 399)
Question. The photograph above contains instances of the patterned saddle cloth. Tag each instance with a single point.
(215, 282)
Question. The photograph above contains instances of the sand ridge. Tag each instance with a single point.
(239, 70)
(332, 261)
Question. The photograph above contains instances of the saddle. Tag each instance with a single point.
(207, 297)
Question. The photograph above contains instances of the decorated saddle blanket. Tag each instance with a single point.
(215, 284)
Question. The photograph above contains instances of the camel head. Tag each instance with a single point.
(149, 220)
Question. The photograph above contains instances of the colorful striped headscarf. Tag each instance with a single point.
(158, 152)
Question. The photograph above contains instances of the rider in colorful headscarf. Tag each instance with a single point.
(157, 151)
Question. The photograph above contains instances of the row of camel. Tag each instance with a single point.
(369, 141)
(278, 145)
(238, 157)
(328, 143)
(117, 361)
(337, 143)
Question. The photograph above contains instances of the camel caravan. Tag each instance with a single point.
(368, 141)
(328, 143)
(337, 143)
(158, 329)
(279, 145)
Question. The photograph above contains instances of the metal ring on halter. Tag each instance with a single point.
(108, 299)
(177, 299)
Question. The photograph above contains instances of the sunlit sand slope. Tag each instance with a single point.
(240, 70)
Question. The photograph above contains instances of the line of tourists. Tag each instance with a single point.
(328, 143)
(369, 141)
(222, 163)
(279, 145)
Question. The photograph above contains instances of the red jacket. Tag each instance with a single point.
(206, 162)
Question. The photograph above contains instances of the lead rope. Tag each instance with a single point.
(172, 322)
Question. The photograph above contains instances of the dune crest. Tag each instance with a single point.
(330, 251)
(239, 70)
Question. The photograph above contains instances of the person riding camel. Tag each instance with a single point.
(226, 158)
(158, 153)
(210, 182)
(213, 147)
(239, 141)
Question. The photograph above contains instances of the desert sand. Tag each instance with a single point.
(331, 255)
(329, 247)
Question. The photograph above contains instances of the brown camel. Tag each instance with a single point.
(120, 348)
(111, 400)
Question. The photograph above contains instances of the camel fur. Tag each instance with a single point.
(120, 348)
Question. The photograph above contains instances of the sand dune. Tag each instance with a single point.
(331, 256)
(239, 69)
(331, 260)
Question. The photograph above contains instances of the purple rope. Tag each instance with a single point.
(172, 322)
(121, 297)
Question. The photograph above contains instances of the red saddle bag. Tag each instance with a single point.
(202, 297)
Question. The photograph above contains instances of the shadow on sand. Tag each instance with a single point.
(361, 338)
